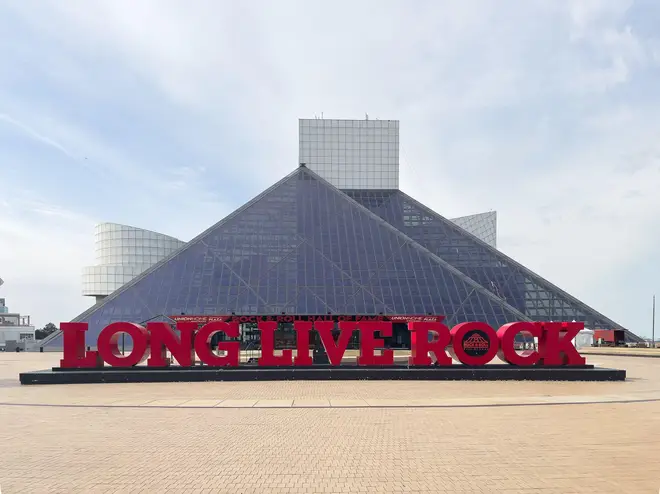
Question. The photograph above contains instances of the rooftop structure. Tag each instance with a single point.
(352, 154)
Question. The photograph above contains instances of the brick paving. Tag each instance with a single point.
(304, 437)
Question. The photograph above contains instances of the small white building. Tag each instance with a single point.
(15, 329)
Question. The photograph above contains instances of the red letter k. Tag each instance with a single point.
(556, 343)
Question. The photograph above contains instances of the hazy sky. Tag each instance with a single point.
(168, 115)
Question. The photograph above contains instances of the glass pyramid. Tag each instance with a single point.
(302, 247)
(511, 282)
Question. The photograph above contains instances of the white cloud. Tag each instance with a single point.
(35, 135)
(525, 107)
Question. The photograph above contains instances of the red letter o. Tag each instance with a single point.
(109, 349)
(474, 343)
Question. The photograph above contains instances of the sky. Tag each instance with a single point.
(168, 115)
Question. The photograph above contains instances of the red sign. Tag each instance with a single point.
(471, 343)
(291, 318)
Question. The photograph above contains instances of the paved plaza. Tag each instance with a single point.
(303, 437)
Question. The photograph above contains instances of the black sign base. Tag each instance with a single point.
(320, 373)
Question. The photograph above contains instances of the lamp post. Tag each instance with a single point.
(653, 326)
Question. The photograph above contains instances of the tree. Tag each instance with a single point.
(49, 328)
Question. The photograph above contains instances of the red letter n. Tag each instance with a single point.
(163, 338)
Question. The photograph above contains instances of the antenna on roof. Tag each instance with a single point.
(366, 116)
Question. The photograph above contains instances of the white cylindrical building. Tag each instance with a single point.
(122, 253)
